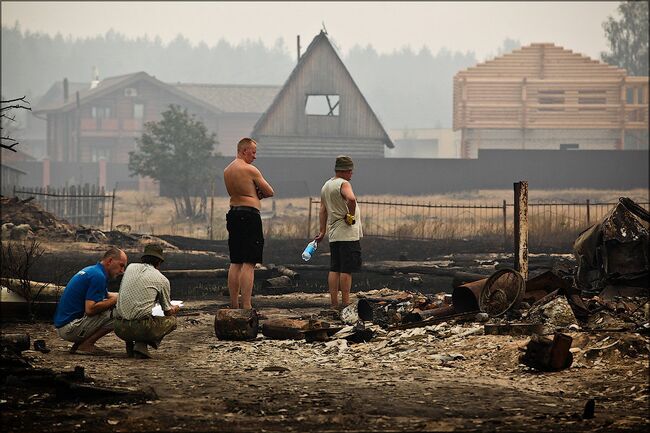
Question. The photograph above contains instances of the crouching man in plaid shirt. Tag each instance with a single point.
(142, 286)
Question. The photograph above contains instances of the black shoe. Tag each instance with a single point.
(40, 346)
(129, 349)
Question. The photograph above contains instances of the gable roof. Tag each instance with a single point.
(542, 61)
(321, 38)
(53, 98)
(232, 98)
(109, 85)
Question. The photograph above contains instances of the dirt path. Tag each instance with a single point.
(397, 382)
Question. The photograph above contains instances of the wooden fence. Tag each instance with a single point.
(77, 204)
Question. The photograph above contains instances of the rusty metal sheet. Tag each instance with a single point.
(616, 250)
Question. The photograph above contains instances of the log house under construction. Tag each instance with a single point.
(543, 96)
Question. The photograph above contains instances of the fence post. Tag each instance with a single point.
(309, 219)
(212, 210)
(521, 228)
(505, 225)
(112, 208)
(588, 213)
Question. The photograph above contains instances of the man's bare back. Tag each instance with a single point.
(244, 182)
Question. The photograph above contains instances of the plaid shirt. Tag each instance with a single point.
(142, 286)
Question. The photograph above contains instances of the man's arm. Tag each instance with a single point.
(92, 308)
(97, 290)
(165, 299)
(263, 188)
(348, 196)
(322, 221)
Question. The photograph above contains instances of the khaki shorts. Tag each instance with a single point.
(80, 329)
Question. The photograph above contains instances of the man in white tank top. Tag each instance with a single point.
(339, 217)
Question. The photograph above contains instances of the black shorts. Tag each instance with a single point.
(245, 236)
(345, 256)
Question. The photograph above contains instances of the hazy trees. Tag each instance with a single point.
(406, 88)
(628, 38)
(177, 151)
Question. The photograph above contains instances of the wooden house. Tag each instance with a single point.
(101, 120)
(320, 112)
(240, 106)
(543, 96)
(10, 178)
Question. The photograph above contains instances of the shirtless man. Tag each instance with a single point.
(246, 187)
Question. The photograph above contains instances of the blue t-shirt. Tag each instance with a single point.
(90, 283)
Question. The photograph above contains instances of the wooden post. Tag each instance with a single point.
(298, 46)
(112, 208)
(588, 213)
(521, 228)
(309, 219)
(212, 211)
(505, 225)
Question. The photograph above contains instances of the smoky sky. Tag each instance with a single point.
(478, 27)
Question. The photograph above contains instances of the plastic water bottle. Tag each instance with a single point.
(309, 250)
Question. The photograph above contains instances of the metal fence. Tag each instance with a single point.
(550, 224)
(76, 204)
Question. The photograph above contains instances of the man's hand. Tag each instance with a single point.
(349, 219)
(259, 192)
(319, 237)
(173, 310)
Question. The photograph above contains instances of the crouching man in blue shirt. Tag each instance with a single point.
(85, 311)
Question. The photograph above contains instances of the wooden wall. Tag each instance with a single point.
(73, 135)
(543, 86)
(320, 72)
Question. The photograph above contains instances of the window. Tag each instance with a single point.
(550, 97)
(101, 112)
(569, 146)
(138, 111)
(130, 91)
(592, 100)
(98, 153)
(550, 100)
(322, 105)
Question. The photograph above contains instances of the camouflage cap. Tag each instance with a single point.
(343, 163)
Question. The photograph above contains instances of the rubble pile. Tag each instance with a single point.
(23, 219)
(550, 304)
(17, 212)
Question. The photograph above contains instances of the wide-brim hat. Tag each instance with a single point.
(154, 251)
(343, 163)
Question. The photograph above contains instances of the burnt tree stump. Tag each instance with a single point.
(236, 324)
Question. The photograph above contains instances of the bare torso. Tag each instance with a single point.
(241, 180)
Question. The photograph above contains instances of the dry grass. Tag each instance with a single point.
(148, 213)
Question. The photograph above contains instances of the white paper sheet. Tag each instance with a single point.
(157, 309)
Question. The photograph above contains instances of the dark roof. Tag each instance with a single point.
(233, 98)
(53, 98)
(320, 38)
(110, 84)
